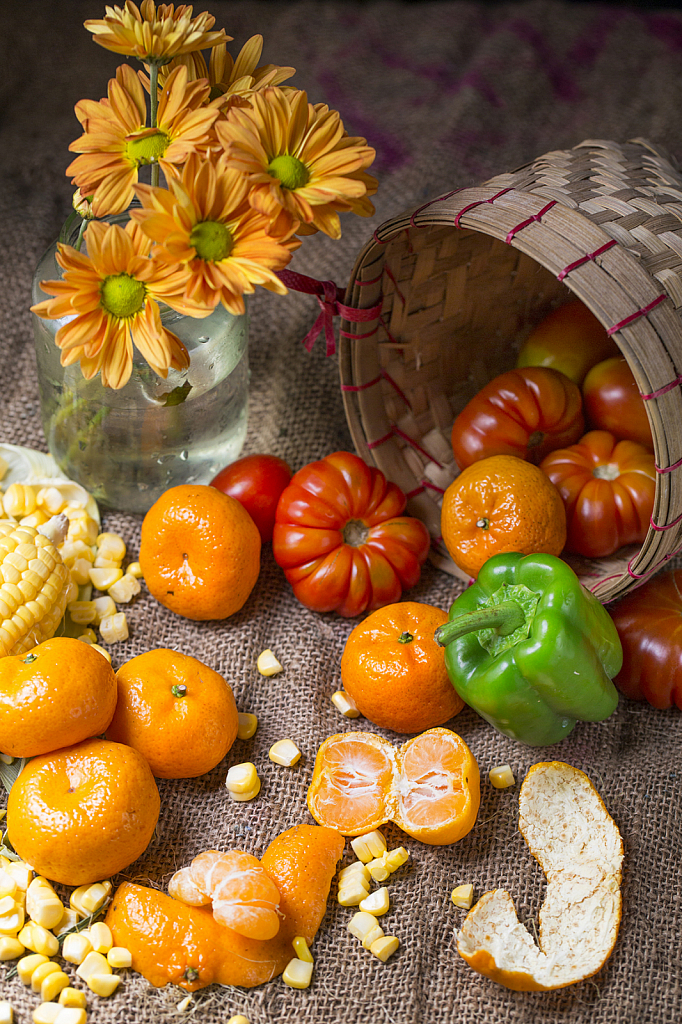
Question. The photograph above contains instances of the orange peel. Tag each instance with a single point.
(578, 846)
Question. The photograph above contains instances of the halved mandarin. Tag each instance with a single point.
(429, 786)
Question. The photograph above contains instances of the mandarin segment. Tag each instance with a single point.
(352, 776)
(244, 896)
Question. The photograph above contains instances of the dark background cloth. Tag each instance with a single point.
(450, 93)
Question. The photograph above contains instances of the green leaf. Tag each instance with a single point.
(177, 395)
(10, 772)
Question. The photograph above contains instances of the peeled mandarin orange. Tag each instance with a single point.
(186, 946)
(395, 671)
(199, 552)
(429, 786)
(500, 504)
(179, 713)
(84, 812)
(59, 693)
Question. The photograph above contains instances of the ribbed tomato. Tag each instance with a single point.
(341, 539)
(612, 401)
(526, 412)
(608, 488)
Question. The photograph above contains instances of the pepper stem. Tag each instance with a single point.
(504, 618)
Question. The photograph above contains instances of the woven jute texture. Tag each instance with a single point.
(451, 94)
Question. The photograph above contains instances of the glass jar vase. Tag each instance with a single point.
(128, 446)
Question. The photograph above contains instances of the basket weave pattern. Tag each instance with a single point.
(459, 283)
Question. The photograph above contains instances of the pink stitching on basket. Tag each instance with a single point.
(396, 431)
(432, 202)
(361, 387)
(384, 375)
(422, 487)
(382, 440)
(536, 218)
(585, 259)
(668, 469)
(638, 575)
(662, 391)
(635, 316)
(480, 202)
(389, 275)
(373, 280)
(367, 334)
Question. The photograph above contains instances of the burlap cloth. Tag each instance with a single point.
(449, 94)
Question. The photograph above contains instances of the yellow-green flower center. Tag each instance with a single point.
(122, 295)
(147, 147)
(290, 171)
(212, 240)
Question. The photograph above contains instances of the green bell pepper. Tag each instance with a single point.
(531, 650)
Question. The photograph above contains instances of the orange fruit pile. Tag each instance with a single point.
(83, 813)
(395, 671)
(501, 504)
(179, 713)
(185, 945)
(199, 552)
(429, 786)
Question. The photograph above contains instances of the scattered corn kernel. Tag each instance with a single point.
(345, 704)
(379, 869)
(251, 794)
(369, 846)
(42, 904)
(51, 499)
(119, 957)
(41, 972)
(73, 997)
(46, 1013)
(100, 937)
(39, 939)
(247, 725)
(80, 571)
(185, 1004)
(111, 545)
(501, 777)
(102, 651)
(104, 606)
(20, 872)
(356, 868)
(88, 637)
(11, 947)
(238, 1019)
(19, 500)
(268, 665)
(125, 589)
(6, 1012)
(81, 526)
(12, 921)
(82, 612)
(90, 898)
(102, 579)
(7, 905)
(284, 752)
(463, 896)
(94, 963)
(103, 984)
(134, 570)
(105, 563)
(395, 859)
(71, 1015)
(52, 985)
(361, 923)
(36, 519)
(298, 973)
(384, 947)
(241, 778)
(377, 903)
(27, 965)
(69, 919)
(76, 947)
(114, 627)
(301, 950)
(8, 887)
(372, 935)
(353, 891)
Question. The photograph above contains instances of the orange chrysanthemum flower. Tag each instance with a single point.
(203, 222)
(116, 140)
(154, 35)
(302, 167)
(111, 296)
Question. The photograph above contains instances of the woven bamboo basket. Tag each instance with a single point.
(456, 286)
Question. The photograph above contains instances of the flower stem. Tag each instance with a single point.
(81, 232)
(154, 101)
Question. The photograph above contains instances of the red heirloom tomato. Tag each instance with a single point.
(612, 402)
(649, 624)
(608, 490)
(256, 481)
(341, 539)
(527, 413)
(570, 339)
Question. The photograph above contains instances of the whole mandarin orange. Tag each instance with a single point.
(59, 693)
(395, 671)
(199, 552)
(83, 813)
(179, 713)
(500, 504)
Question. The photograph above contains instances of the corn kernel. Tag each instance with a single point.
(42, 904)
(36, 519)
(301, 949)
(8, 887)
(105, 563)
(250, 794)
(39, 939)
(12, 921)
(360, 924)
(241, 778)
(102, 579)
(238, 1019)
(19, 500)
(93, 896)
(134, 570)
(20, 872)
(112, 546)
(395, 859)
(125, 589)
(69, 919)
(82, 612)
(52, 985)
(369, 846)
(82, 527)
(41, 972)
(27, 965)
(185, 1004)
(353, 891)
(73, 997)
(7, 905)
(119, 957)
(356, 868)
(501, 777)
(46, 1013)
(345, 704)
(6, 1012)
(114, 627)
(88, 637)
(247, 726)
(377, 903)
(384, 947)
(297, 974)
(100, 937)
(372, 935)
(379, 869)
(11, 948)
(51, 499)
(80, 571)
(104, 606)
(102, 651)
(268, 665)
(71, 1015)
(94, 963)
(103, 984)
(463, 896)
(76, 947)
(284, 752)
